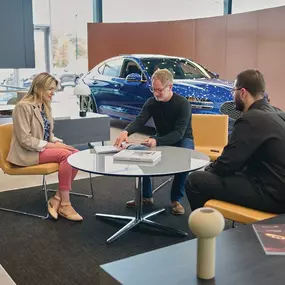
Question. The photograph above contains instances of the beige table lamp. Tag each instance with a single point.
(206, 224)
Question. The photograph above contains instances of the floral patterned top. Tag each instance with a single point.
(46, 125)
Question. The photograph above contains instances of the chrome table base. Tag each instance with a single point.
(139, 218)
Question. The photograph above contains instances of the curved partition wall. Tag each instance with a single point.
(226, 44)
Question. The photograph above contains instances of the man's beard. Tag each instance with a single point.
(158, 99)
(239, 104)
(163, 98)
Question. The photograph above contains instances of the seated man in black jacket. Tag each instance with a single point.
(251, 170)
(171, 114)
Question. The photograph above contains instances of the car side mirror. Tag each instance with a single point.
(134, 77)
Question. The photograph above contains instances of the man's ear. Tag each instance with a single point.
(244, 93)
(170, 86)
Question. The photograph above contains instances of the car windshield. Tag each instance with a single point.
(180, 68)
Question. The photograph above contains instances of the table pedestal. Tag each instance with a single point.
(140, 217)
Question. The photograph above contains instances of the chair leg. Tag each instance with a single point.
(76, 193)
(91, 186)
(31, 214)
(161, 185)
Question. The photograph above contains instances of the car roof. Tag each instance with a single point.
(145, 55)
(141, 56)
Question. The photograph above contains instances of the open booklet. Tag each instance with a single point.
(271, 237)
(138, 155)
(113, 149)
(106, 149)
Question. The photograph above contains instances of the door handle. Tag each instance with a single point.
(118, 86)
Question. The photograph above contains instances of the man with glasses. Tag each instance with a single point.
(172, 115)
(251, 170)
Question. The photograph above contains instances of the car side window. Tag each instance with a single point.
(113, 68)
(189, 69)
(101, 68)
(129, 67)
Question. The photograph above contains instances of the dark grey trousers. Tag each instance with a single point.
(201, 186)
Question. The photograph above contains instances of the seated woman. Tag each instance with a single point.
(33, 142)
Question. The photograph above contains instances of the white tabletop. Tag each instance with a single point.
(173, 160)
(75, 115)
(5, 278)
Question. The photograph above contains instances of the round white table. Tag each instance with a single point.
(174, 160)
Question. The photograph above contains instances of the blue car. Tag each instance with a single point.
(121, 85)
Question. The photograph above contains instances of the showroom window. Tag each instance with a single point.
(159, 10)
(241, 6)
(60, 36)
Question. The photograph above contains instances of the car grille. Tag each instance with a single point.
(229, 108)
(67, 78)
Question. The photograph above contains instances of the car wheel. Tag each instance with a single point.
(87, 104)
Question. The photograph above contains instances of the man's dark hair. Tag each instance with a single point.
(252, 80)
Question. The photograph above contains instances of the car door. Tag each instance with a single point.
(133, 94)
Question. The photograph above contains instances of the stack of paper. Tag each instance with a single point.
(138, 155)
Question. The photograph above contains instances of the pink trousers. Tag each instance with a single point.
(66, 172)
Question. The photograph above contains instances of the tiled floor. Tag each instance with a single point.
(61, 100)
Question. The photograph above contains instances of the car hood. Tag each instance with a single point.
(209, 89)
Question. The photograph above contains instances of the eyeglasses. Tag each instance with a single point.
(235, 89)
(157, 90)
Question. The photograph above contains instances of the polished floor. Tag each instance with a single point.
(60, 102)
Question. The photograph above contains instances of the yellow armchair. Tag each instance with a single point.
(237, 213)
(8, 168)
(210, 134)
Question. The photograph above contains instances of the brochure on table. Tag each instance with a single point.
(138, 155)
(112, 149)
(271, 238)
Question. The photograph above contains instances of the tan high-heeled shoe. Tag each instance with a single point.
(53, 206)
(67, 211)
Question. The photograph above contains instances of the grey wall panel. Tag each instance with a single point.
(79, 132)
(16, 34)
(29, 33)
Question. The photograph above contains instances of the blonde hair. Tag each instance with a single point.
(42, 82)
(163, 75)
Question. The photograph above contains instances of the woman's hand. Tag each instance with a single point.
(60, 145)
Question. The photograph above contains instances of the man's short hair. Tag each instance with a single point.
(252, 80)
(163, 75)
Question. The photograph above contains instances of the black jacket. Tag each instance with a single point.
(257, 149)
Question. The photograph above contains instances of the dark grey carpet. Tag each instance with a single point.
(35, 251)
